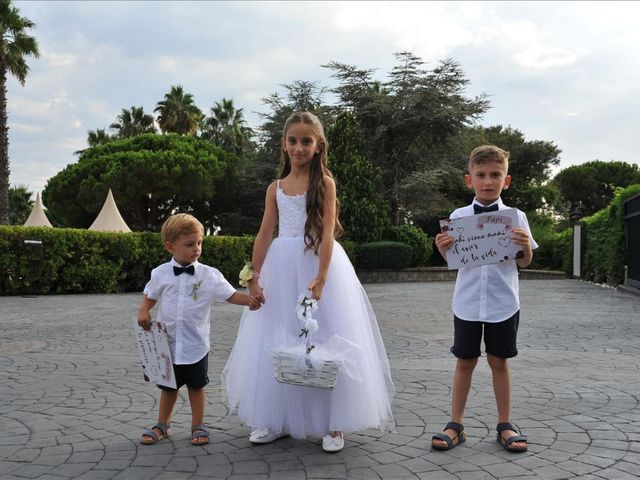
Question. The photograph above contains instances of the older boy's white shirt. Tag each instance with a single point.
(488, 293)
(184, 306)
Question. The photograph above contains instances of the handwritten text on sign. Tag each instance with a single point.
(482, 239)
(153, 346)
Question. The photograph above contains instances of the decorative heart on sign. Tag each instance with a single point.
(460, 229)
(504, 241)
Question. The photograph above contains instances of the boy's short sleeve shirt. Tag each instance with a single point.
(184, 306)
(488, 293)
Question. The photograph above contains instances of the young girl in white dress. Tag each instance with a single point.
(305, 257)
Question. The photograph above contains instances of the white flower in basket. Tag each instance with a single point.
(300, 365)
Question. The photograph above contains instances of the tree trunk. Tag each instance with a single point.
(4, 145)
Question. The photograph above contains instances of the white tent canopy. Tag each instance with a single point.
(37, 217)
(109, 218)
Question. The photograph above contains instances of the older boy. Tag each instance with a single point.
(185, 289)
(486, 298)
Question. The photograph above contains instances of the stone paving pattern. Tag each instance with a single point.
(73, 403)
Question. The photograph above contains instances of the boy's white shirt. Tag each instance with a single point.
(185, 308)
(488, 293)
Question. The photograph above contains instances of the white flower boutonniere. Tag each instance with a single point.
(246, 274)
(194, 290)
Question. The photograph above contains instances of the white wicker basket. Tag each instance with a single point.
(290, 370)
(294, 369)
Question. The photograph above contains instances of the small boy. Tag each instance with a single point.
(185, 289)
(486, 298)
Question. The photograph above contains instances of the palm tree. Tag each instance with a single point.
(15, 45)
(20, 204)
(177, 113)
(227, 127)
(133, 122)
(96, 137)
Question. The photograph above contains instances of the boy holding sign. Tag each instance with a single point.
(486, 298)
(185, 290)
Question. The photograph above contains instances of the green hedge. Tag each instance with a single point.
(374, 255)
(83, 261)
(555, 251)
(551, 252)
(605, 251)
(420, 243)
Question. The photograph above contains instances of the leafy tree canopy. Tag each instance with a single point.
(414, 111)
(151, 176)
(588, 188)
(363, 211)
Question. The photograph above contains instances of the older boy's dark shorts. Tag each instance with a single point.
(194, 376)
(499, 338)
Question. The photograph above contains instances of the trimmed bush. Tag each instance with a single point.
(555, 251)
(376, 255)
(420, 243)
(82, 261)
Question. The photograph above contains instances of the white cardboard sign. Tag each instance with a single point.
(155, 355)
(482, 239)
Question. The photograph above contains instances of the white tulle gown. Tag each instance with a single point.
(363, 392)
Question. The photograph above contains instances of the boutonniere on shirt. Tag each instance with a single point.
(194, 290)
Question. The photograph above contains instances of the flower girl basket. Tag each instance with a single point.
(296, 366)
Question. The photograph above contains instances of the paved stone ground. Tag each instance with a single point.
(73, 403)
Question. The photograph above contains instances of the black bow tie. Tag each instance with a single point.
(178, 270)
(480, 209)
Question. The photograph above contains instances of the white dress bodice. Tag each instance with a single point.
(292, 213)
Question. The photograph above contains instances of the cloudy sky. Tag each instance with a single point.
(566, 72)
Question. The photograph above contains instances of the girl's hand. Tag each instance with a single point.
(254, 303)
(255, 291)
(316, 286)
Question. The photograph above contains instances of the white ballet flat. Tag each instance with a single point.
(265, 435)
(332, 444)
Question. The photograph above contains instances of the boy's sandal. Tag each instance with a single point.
(197, 432)
(507, 443)
(451, 442)
(165, 432)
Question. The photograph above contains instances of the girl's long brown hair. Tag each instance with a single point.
(316, 189)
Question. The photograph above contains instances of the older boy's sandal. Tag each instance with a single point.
(451, 442)
(153, 437)
(507, 443)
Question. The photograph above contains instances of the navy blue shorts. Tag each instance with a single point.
(194, 376)
(499, 338)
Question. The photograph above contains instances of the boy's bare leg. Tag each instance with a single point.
(502, 390)
(461, 386)
(167, 403)
(197, 401)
